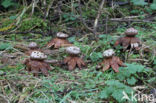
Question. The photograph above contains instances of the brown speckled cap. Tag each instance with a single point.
(131, 32)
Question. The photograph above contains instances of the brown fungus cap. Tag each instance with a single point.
(73, 50)
(131, 32)
(108, 53)
(32, 45)
(62, 35)
(38, 55)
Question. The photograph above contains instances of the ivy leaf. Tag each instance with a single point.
(131, 81)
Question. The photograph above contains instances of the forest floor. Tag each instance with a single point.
(88, 85)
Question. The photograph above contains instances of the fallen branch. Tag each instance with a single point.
(98, 15)
(23, 48)
(52, 61)
(22, 32)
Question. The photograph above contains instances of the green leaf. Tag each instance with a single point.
(139, 2)
(72, 39)
(7, 3)
(12, 17)
(115, 83)
(106, 36)
(133, 68)
(95, 56)
(152, 79)
(131, 81)
(4, 46)
(104, 93)
(153, 5)
(118, 95)
(154, 61)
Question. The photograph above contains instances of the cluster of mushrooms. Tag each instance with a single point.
(36, 63)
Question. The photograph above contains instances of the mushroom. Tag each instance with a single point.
(32, 47)
(59, 41)
(36, 63)
(129, 41)
(111, 61)
(73, 60)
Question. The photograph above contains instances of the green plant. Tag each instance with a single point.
(153, 5)
(115, 89)
(4, 46)
(122, 81)
(139, 2)
(8, 3)
(143, 3)
(95, 56)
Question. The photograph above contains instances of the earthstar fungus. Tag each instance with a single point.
(73, 60)
(59, 41)
(36, 64)
(32, 47)
(129, 41)
(111, 61)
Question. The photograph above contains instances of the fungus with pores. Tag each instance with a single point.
(36, 63)
(129, 41)
(73, 60)
(111, 61)
(59, 41)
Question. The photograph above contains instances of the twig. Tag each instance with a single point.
(49, 6)
(21, 47)
(106, 29)
(98, 16)
(83, 21)
(21, 32)
(138, 60)
(127, 20)
(52, 61)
